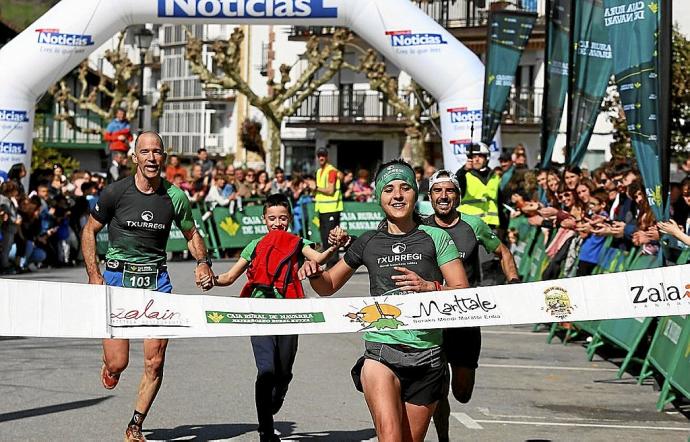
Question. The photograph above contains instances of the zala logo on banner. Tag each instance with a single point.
(246, 8)
(14, 116)
(12, 148)
(54, 37)
(403, 39)
(463, 115)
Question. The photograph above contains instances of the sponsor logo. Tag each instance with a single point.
(147, 215)
(406, 38)
(557, 302)
(464, 115)
(111, 264)
(14, 116)
(407, 258)
(230, 226)
(399, 248)
(460, 306)
(626, 13)
(145, 225)
(245, 9)
(460, 146)
(378, 316)
(216, 317)
(148, 315)
(12, 148)
(659, 293)
(54, 37)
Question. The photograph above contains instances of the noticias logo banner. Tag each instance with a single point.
(464, 115)
(15, 116)
(12, 148)
(406, 38)
(246, 9)
(54, 37)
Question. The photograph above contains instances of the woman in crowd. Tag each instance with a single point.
(361, 188)
(647, 235)
(403, 373)
(263, 184)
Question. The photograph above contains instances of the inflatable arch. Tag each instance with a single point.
(58, 41)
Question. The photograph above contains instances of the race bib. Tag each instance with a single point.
(140, 276)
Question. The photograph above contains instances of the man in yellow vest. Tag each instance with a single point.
(328, 200)
(481, 185)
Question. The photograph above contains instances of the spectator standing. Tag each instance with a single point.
(263, 184)
(242, 187)
(175, 168)
(16, 174)
(361, 189)
(279, 183)
(118, 133)
(480, 186)
(9, 205)
(200, 184)
(116, 166)
(346, 185)
(205, 163)
(329, 200)
(215, 193)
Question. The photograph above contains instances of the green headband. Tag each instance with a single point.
(394, 172)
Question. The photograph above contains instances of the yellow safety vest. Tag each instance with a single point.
(326, 203)
(481, 199)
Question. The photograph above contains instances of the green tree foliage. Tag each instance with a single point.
(680, 93)
(45, 157)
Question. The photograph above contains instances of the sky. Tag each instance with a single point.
(681, 15)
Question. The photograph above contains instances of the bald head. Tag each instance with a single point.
(149, 139)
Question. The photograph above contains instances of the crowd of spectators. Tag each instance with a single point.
(42, 226)
(578, 210)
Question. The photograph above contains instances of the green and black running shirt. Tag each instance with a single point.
(423, 250)
(468, 233)
(139, 223)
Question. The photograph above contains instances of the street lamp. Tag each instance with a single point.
(143, 39)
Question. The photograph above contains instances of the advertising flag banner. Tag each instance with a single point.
(509, 33)
(556, 78)
(591, 69)
(633, 29)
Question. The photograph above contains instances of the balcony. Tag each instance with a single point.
(334, 107)
(524, 107)
(473, 13)
(54, 133)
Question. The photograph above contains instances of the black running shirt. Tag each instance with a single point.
(423, 250)
(139, 223)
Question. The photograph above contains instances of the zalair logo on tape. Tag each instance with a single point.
(246, 9)
(215, 317)
(12, 148)
(464, 115)
(54, 37)
(406, 38)
(14, 116)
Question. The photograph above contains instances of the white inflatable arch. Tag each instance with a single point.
(65, 35)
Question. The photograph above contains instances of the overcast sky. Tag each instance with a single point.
(681, 15)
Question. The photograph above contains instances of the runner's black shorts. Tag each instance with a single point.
(423, 373)
(462, 346)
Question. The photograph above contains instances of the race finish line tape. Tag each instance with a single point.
(55, 309)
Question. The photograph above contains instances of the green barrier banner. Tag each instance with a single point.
(633, 26)
(556, 79)
(666, 340)
(356, 218)
(509, 34)
(591, 69)
(240, 228)
(680, 378)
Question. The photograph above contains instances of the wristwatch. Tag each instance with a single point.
(204, 260)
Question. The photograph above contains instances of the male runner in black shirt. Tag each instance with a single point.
(139, 211)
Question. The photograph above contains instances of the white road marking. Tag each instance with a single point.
(467, 421)
(545, 367)
(572, 424)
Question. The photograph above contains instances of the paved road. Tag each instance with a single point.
(526, 389)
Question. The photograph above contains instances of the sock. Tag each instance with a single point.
(137, 419)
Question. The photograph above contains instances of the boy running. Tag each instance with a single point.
(272, 262)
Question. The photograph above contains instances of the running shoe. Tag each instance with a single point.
(133, 434)
(109, 381)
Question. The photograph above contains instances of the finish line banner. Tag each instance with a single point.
(54, 309)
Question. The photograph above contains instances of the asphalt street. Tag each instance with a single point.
(526, 389)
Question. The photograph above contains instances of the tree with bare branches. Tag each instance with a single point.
(284, 97)
(119, 91)
(412, 105)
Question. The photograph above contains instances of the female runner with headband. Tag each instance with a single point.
(403, 373)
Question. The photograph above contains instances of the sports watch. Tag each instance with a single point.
(204, 260)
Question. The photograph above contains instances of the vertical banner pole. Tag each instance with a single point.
(544, 135)
(665, 73)
(571, 83)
